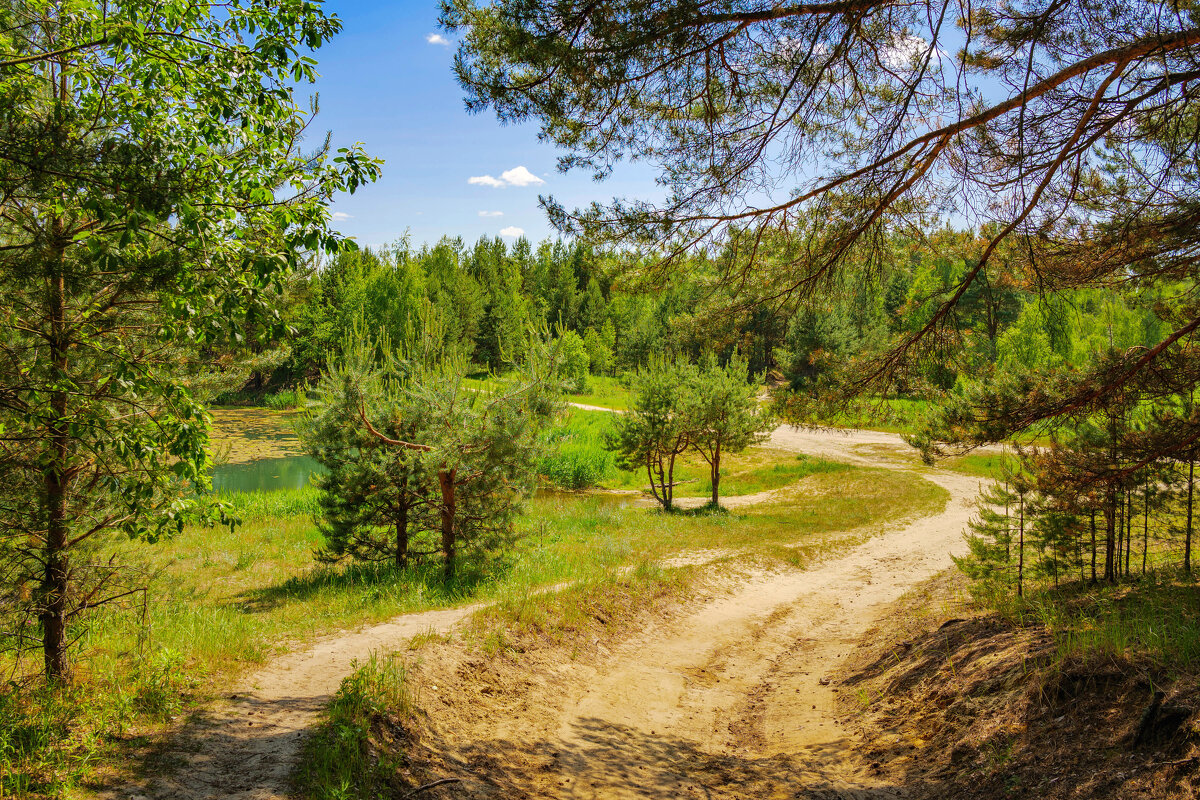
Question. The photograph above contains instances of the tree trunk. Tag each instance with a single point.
(53, 589)
(1187, 539)
(669, 486)
(1110, 536)
(449, 513)
(716, 475)
(1021, 551)
(1128, 529)
(1093, 547)
(1119, 527)
(1146, 528)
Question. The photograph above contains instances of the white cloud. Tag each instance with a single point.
(907, 52)
(512, 230)
(519, 176)
(437, 38)
(339, 216)
(485, 180)
(491, 213)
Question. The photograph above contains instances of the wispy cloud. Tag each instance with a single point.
(339, 216)
(513, 231)
(491, 213)
(517, 176)
(486, 180)
(437, 38)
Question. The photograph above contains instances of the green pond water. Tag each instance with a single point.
(257, 451)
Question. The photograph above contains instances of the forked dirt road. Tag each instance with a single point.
(723, 700)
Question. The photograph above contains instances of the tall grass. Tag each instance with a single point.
(280, 504)
(576, 456)
(285, 399)
(1156, 617)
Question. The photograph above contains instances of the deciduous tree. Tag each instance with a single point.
(154, 192)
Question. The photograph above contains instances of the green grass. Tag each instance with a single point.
(603, 391)
(338, 761)
(1156, 617)
(888, 414)
(983, 465)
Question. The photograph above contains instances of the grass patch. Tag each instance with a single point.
(1156, 617)
(601, 606)
(603, 391)
(983, 465)
(888, 414)
(339, 762)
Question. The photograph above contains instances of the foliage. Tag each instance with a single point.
(724, 414)
(575, 362)
(655, 431)
(907, 112)
(412, 451)
(711, 409)
(157, 197)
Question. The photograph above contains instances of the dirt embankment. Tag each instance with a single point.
(951, 703)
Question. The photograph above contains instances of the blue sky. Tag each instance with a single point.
(385, 84)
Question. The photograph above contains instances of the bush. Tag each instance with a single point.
(576, 467)
(288, 398)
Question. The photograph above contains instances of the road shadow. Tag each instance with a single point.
(600, 760)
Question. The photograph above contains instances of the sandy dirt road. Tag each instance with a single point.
(735, 681)
(741, 683)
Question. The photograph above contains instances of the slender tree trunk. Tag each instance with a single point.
(1128, 529)
(53, 589)
(669, 487)
(716, 475)
(1119, 526)
(1110, 537)
(653, 483)
(449, 513)
(1187, 539)
(1021, 551)
(1146, 528)
(1093, 547)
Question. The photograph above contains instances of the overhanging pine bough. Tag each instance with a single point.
(790, 134)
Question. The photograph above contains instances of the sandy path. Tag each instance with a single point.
(714, 680)
(739, 677)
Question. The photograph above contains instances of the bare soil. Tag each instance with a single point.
(727, 696)
(953, 703)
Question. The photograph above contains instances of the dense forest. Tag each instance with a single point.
(488, 297)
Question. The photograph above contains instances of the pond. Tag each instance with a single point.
(256, 450)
